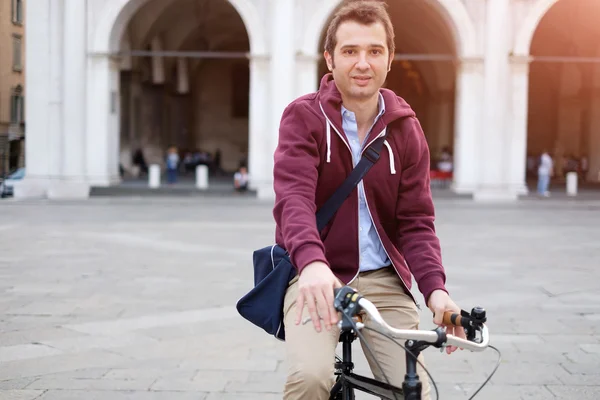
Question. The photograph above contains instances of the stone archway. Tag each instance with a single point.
(559, 41)
(454, 12)
(525, 33)
(115, 14)
(103, 80)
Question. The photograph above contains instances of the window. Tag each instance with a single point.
(17, 11)
(17, 106)
(17, 53)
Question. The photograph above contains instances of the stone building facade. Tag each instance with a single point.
(492, 80)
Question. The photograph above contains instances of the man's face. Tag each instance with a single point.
(361, 59)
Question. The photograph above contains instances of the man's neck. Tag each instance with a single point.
(364, 110)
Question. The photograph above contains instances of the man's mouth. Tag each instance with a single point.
(362, 80)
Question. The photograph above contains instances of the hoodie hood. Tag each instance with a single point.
(330, 102)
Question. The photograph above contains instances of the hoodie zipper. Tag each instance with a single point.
(386, 252)
(378, 236)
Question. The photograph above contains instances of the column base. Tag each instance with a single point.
(31, 188)
(500, 195)
(462, 189)
(265, 191)
(65, 190)
(104, 181)
(521, 189)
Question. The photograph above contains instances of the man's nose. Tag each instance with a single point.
(362, 62)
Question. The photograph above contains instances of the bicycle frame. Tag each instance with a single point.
(348, 382)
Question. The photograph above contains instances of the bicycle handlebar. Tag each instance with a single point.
(351, 303)
(425, 335)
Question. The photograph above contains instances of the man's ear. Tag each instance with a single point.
(328, 60)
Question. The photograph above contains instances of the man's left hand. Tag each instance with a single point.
(439, 303)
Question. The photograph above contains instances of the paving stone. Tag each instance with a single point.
(576, 392)
(120, 395)
(529, 373)
(19, 383)
(20, 394)
(26, 351)
(142, 295)
(150, 373)
(90, 384)
(35, 335)
(517, 392)
(61, 363)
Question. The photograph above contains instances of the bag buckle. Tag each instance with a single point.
(371, 154)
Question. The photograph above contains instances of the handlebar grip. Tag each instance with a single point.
(451, 318)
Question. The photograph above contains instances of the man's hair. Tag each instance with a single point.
(365, 12)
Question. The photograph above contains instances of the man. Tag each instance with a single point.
(545, 172)
(382, 233)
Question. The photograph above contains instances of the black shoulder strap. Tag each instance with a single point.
(369, 157)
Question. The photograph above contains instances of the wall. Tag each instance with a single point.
(9, 78)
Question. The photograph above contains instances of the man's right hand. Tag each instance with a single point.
(316, 284)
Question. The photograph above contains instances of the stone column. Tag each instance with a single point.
(282, 78)
(468, 128)
(102, 130)
(38, 48)
(494, 149)
(55, 91)
(307, 69)
(73, 182)
(259, 158)
(517, 130)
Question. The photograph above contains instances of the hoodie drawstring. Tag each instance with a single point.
(328, 141)
(328, 127)
(392, 165)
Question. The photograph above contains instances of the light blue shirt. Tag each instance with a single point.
(372, 253)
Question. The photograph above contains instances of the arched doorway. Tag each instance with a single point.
(187, 84)
(424, 69)
(564, 89)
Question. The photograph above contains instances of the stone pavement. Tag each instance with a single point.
(134, 299)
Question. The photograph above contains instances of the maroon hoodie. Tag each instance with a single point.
(312, 160)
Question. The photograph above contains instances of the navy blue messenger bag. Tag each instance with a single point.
(273, 269)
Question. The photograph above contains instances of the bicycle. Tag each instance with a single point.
(351, 303)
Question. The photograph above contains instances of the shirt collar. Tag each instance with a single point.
(349, 114)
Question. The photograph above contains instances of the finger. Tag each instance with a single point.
(329, 302)
(312, 310)
(438, 316)
(323, 308)
(450, 331)
(299, 306)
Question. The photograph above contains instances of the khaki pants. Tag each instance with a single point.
(311, 355)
